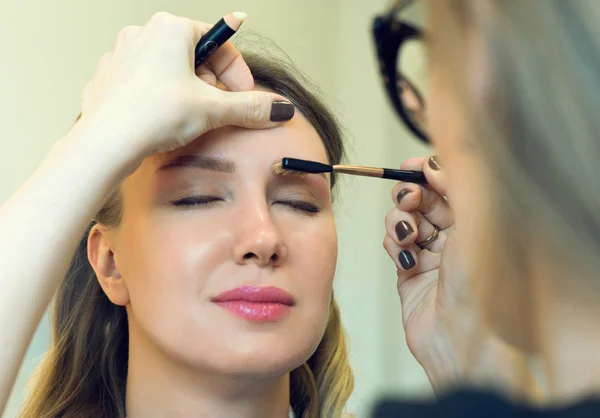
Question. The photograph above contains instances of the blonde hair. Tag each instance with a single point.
(84, 373)
(533, 123)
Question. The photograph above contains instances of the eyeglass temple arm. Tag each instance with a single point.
(398, 5)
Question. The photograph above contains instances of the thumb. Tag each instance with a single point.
(436, 177)
(250, 109)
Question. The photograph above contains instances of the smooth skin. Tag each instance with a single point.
(147, 98)
(188, 234)
(144, 98)
(439, 312)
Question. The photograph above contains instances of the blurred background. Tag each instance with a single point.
(50, 50)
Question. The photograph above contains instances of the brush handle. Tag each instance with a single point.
(408, 176)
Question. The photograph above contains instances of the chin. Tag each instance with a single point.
(267, 362)
(258, 355)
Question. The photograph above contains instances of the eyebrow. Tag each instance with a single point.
(293, 173)
(199, 161)
(217, 164)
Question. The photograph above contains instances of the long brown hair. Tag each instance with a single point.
(84, 373)
(534, 125)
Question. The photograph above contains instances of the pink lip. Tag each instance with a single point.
(257, 304)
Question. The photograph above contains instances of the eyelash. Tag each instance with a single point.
(304, 207)
(190, 202)
(208, 201)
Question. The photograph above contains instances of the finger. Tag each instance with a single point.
(85, 97)
(435, 175)
(231, 69)
(249, 109)
(401, 227)
(227, 63)
(207, 75)
(430, 166)
(415, 163)
(426, 262)
(199, 29)
(407, 193)
(425, 230)
(406, 229)
(428, 199)
(411, 197)
(426, 268)
(102, 66)
(405, 259)
(127, 34)
(177, 35)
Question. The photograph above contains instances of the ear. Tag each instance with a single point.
(102, 258)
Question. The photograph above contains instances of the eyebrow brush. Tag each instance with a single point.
(288, 165)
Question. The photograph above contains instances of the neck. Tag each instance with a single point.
(158, 387)
(570, 340)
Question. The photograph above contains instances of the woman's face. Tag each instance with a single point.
(468, 182)
(461, 164)
(224, 265)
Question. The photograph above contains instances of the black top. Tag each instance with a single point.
(470, 404)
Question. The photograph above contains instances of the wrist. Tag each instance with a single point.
(440, 362)
(480, 360)
(100, 147)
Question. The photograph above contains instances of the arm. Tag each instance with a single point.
(40, 226)
(144, 98)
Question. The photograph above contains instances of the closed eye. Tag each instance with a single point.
(209, 201)
(197, 201)
(300, 206)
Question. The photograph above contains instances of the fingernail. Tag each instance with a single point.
(401, 194)
(434, 163)
(406, 260)
(282, 111)
(403, 230)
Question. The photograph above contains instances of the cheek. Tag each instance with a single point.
(446, 123)
(313, 258)
(165, 260)
(311, 266)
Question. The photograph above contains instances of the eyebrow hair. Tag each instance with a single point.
(293, 173)
(199, 161)
(218, 164)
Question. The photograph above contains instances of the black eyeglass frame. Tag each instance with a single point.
(390, 34)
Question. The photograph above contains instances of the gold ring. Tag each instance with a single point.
(430, 238)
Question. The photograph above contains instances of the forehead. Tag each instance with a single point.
(296, 137)
(248, 149)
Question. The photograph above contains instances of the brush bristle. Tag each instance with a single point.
(305, 166)
(278, 170)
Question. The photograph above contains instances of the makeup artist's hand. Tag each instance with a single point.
(147, 95)
(439, 313)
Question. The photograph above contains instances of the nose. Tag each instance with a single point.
(259, 241)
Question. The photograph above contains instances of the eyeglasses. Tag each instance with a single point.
(391, 36)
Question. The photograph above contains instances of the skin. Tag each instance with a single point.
(165, 263)
(168, 107)
(441, 314)
(561, 304)
(174, 107)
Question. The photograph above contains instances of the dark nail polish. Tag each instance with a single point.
(403, 230)
(401, 194)
(434, 163)
(406, 260)
(282, 111)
